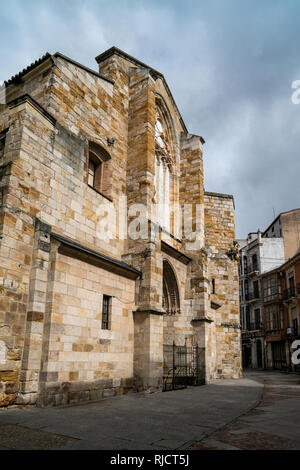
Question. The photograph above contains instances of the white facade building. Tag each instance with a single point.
(257, 255)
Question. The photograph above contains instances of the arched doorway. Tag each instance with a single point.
(171, 300)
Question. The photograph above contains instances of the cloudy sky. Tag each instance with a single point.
(229, 63)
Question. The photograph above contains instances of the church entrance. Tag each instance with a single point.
(183, 366)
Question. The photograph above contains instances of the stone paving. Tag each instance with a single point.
(171, 420)
(272, 425)
(259, 411)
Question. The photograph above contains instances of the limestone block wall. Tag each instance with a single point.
(88, 107)
(96, 109)
(16, 241)
(219, 237)
(81, 361)
(52, 348)
(43, 174)
(53, 184)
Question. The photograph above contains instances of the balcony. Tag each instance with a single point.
(255, 326)
(274, 297)
(252, 270)
(289, 293)
(252, 296)
(280, 333)
(293, 332)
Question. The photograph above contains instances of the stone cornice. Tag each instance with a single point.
(220, 195)
(26, 98)
(203, 319)
(235, 326)
(148, 309)
(169, 250)
(214, 305)
(74, 249)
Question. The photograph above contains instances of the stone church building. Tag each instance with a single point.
(88, 306)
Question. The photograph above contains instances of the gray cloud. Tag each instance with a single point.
(229, 64)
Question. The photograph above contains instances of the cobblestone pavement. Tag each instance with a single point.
(137, 421)
(271, 425)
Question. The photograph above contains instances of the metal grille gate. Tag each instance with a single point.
(183, 366)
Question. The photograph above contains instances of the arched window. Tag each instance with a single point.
(163, 168)
(171, 300)
(98, 168)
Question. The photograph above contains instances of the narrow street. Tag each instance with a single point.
(271, 425)
(259, 411)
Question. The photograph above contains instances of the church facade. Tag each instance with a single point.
(110, 248)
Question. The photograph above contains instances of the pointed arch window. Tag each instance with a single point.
(171, 300)
(163, 170)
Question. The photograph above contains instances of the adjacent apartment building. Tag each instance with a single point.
(95, 284)
(260, 254)
(281, 305)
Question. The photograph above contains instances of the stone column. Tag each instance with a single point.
(33, 344)
(192, 196)
(145, 253)
(148, 349)
(16, 234)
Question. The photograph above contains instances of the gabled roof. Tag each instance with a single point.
(48, 56)
(155, 74)
(18, 76)
(113, 50)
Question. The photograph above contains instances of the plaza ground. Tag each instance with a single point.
(259, 411)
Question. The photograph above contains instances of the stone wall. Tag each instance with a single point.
(81, 361)
(43, 168)
(52, 348)
(223, 268)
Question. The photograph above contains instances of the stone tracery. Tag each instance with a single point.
(163, 169)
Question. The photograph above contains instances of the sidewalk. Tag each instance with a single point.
(170, 420)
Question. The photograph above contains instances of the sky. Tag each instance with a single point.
(230, 65)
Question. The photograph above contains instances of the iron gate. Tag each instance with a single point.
(183, 366)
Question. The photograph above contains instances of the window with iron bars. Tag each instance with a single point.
(106, 312)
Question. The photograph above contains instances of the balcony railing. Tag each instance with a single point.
(290, 292)
(271, 330)
(273, 297)
(253, 295)
(293, 331)
(254, 326)
(251, 269)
